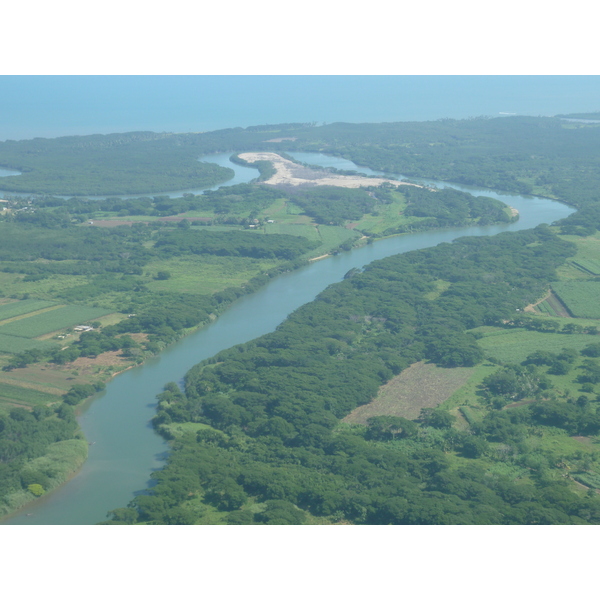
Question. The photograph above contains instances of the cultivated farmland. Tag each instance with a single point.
(582, 298)
(11, 394)
(10, 344)
(15, 309)
(36, 325)
(514, 345)
(589, 266)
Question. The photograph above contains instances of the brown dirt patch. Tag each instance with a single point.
(105, 359)
(57, 379)
(138, 337)
(583, 439)
(422, 385)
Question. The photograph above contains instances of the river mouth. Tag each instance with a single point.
(124, 447)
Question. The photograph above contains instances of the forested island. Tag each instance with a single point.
(316, 422)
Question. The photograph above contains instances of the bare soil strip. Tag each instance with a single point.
(560, 309)
(290, 173)
(422, 385)
(554, 302)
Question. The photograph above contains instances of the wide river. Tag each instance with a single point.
(125, 449)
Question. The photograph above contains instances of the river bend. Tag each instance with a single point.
(125, 449)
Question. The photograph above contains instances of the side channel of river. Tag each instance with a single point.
(124, 448)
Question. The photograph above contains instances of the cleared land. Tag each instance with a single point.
(291, 173)
(422, 385)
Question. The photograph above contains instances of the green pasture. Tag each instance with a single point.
(205, 274)
(590, 266)
(10, 344)
(285, 212)
(582, 298)
(468, 393)
(36, 325)
(12, 394)
(386, 216)
(180, 429)
(308, 231)
(12, 284)
(586, 263)
(514, 345)
(441, 286)
(332, 237)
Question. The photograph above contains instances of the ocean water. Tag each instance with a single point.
(52, 106)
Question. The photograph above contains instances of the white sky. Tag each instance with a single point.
(314, 37)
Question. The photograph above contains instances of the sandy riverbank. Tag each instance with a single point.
(290, 173)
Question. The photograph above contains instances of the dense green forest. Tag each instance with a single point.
(105, 164)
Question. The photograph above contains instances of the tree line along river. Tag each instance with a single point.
(124, 449)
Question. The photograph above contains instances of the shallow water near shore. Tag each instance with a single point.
(125, 449)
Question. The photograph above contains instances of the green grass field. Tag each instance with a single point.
(205, 274)
(11, 394)
(590, 266)
(15, 309)
(309, 232)
(12, 284)
(387, 216)
(514, 345)
(332, 237)
(586, 263)
(467, 394)
(36, 325)
(582, 298)
(10, 344)
(284, 211)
